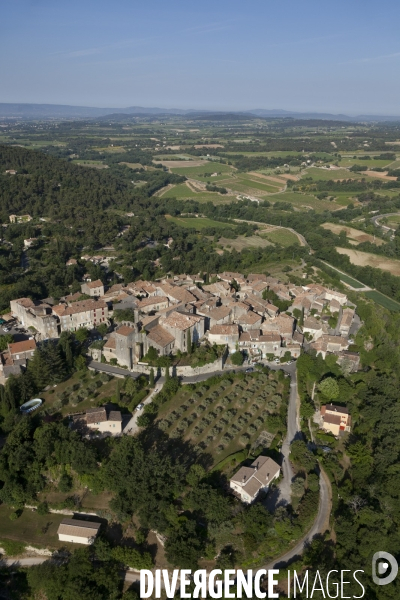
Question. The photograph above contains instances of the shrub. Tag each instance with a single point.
(42, 508)
(244, 438)
(143, 420)
(14, 516)
(252, 430)
(164, 425)
(12, 548)
(220, 448)
(201, 408)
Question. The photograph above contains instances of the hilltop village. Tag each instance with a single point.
(174, 315)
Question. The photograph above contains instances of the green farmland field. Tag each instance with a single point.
(198, 223)
(328, 174)
(383, 300)
(209, 167)
(284, 237)
(303, 201)
(183, 192)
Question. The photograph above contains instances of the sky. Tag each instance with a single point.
(338, 57)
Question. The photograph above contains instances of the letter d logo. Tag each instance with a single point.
(385, 559)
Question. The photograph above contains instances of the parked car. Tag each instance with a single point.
(277, 361)
(6, 329)
(249, 370)
(140, 406)
(289, 362)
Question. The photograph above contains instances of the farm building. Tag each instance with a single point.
(78, 531)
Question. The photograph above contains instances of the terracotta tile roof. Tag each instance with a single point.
(81, 306)
(256, 277)
(25, 302)
(24, 346)
(114, 415)
(334, 408)
(220, 312)
(224, 330)
(181, 321)
(96, 415)
(160, 336)
(152, 300)
(95, 284)
(110, 343)
(334, 419)
(249, 318)
(125, 330)
(177, 292)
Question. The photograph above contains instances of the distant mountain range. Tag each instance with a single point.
(60, 111)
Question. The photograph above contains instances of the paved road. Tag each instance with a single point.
(132, 427)
(386, 228)
(320, 524)
(24, 562)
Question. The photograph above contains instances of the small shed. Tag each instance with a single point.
(78, 531)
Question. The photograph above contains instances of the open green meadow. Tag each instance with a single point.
(303, 201)
(241, 184)
(31, 528)
(209, 168)
(197, 223)
(284, 237)
(183, 192)
(321, 174)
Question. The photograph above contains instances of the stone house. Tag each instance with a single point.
(258, 345)
(85, 313)
(38, 316)
(224, 334)
(249, 321)
(346, 321)
(152, 303)
(161, 339)
(93, 288)
(180, 324)
(99, 419)
(22, 350)
(248, 482)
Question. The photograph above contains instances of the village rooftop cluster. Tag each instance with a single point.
(171, 314)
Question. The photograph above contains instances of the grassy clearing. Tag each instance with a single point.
(303, 201)
(349, 162)
(252, 187)
(183, 192)
(197, 223)
(383, 300)
(111, 149)
(31, 528)
(224, 417)
(329, 174)
(209, 167)
(241, 242)
(282, 237)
